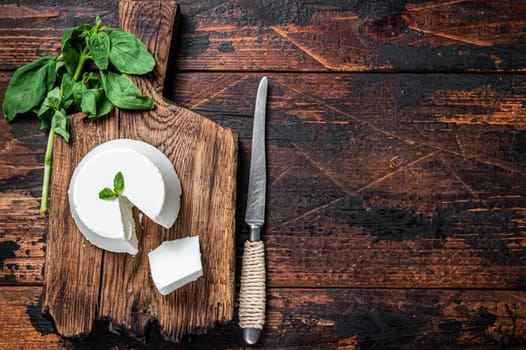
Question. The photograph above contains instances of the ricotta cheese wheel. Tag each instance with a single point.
(150, 184)
(175, 263)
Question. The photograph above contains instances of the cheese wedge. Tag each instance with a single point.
(175, 263)
(150, 184)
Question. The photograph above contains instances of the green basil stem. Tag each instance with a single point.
(82, 59)
(47, 172)
(51, 140)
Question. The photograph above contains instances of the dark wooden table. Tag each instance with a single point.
(396, 158)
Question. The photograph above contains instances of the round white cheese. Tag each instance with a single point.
(150, 184)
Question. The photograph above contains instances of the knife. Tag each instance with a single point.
(252, 293)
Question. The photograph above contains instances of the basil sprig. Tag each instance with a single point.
(118, 186)
(53, 87)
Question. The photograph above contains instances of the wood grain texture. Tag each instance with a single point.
(313, 319)
(84, 283)
(409, 36)
(204, 156)
(371, 185)
(73, 265)
(432, 208)
(21, 324)
(378, 183)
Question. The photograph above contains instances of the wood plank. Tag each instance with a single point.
(341, 36)
(73, 265)
(21, 323)
(415, 179)
(21, 270)
(404, 317)
(34, 29)
(22, 232)
(313, 319)
(421, 36)
(204, 156)
(388, 181)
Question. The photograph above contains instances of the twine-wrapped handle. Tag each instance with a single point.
(252, 294)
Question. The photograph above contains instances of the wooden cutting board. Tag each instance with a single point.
(83, 282)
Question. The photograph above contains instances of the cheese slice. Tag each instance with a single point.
(175, 263)
(150, 184)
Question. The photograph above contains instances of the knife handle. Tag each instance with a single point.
(252, 294)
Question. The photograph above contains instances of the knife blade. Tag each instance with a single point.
(255, 214)
(252, 292)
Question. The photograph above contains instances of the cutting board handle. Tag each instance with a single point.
(153, 22)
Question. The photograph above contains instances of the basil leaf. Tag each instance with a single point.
(91, 80)
(60, 124)
(67, 103)
(76, 33)
(78, 90)
(99, 45)
(67, 35)
(44, 111)
(47, 109)
(53, 99)
(98, 26)
(107, 194)
(44, 114)
(104, 106)
(28, 86)
(118, 187)
(44, 124)
(66, 86)
(89, 101)
(58, 65)
(95, 103)
(71, 55)
(118, 183)
(128, 54)
(121, 91)
(97, 22)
